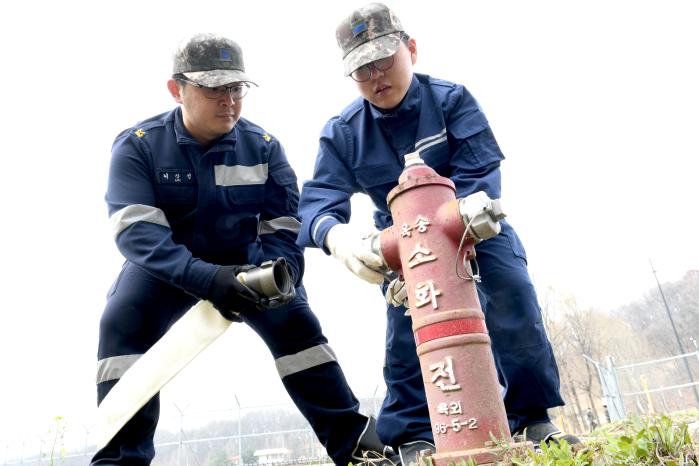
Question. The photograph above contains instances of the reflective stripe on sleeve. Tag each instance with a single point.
(122, 219)
(267, 227)
(303, 360)
(240, 175)
(430, 141)
(315, 229)
(114, 367)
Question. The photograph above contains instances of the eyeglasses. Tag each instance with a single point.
(237, 91)
(364, 73)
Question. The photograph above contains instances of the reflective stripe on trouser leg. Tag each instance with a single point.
(311, 375)
(404, 416)
(140, 308)
(306, 359)
(114, 367)
(324, 398)
(515, 325)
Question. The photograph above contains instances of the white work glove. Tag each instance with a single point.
(349, 248)
(397, 293)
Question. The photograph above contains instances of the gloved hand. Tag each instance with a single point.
(397, 293)
(347, 247)
(230, 297)
(273, 303)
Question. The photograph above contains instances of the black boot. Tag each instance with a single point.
(370, 451)
(545, 432)
(410, 452)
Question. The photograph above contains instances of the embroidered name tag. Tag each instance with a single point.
(174, 176)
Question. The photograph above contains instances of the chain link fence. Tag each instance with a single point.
(259, 435)
(658, 385)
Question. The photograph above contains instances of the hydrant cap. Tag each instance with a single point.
(413, 159)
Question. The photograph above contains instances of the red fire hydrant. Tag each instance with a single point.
(430, 246)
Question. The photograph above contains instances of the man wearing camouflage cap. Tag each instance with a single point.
(195, 196)
(362, 150)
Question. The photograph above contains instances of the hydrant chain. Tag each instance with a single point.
(475, 276)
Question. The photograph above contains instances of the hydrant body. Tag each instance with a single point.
(427, 245)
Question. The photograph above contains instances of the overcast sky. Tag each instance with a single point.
(594, 104)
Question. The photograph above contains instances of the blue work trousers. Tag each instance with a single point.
(141, 308)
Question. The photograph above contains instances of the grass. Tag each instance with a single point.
(57, 432)
(650, 440)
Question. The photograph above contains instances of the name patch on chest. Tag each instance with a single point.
(174, 176)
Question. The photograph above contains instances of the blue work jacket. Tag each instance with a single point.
(362, 151)
(179, 209)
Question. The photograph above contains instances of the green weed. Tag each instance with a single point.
(655, 440)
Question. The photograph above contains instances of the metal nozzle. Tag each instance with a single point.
(271, 279)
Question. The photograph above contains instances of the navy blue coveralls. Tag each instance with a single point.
(178, 212)
(361, 151)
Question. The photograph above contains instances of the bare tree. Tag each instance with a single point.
(574, 331)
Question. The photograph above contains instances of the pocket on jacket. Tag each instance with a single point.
(175, 194)
(249, 194)
(284, 176)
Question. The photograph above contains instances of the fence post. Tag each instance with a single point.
(616, 399)
(611, 395)
(240, 437)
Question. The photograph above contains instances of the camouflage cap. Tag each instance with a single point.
(210, 60)
(368, 34)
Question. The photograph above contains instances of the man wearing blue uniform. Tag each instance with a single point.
(195, 196)
(362, 151)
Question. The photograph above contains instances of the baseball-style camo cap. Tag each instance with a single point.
(210, 60)
(367, 35)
